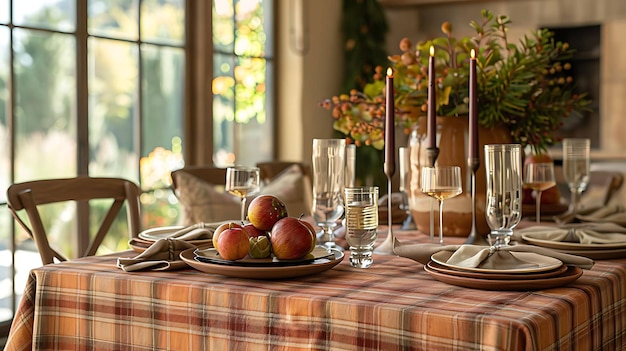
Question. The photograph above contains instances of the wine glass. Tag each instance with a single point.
(441, 183)
(576, 168)
(503, 210)
(241, 182)
(539, 177)
(328, 184)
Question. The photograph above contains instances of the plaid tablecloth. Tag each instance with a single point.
(394, 305)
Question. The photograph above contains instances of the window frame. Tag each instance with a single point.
(197, 119)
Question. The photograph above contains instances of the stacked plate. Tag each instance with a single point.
(593, 251)
(149, 236)
(532, 272)
(209, 261)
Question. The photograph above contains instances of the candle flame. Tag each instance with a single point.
(473, 54)
(389, 72)
(432, 51)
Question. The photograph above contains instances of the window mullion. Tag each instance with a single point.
(82, 117)
(82, 88)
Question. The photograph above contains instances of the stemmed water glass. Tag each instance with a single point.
(539, 177)
(241, 182)
(576, 167)
(328, 184)
(503, 210)
(441, 183)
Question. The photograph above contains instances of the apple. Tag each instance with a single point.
(233, 243)
(253, 231)
(221, 228)
(312, 229)
(265, 210)
(291, 238)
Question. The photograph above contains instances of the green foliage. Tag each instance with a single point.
(364, 27)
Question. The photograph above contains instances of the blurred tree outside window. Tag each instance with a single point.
(129, 56)
(98, 87)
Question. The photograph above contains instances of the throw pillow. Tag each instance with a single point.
(204, 202)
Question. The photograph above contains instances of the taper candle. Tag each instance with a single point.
(432, 104)
(473, 109)
(390, 145)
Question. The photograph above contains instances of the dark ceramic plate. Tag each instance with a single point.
(211, 255)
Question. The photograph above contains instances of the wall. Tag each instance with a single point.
(309, 60)
(313, 69)
(418, 22)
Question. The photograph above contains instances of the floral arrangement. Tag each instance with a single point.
(523, 86)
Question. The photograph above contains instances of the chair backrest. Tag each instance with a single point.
(209, 174)
(602, 186)
(29, 196)
(270, 169)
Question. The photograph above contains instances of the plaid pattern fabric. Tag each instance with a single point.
(393, 305)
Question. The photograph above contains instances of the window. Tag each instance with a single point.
(243, 70)
(113, 88)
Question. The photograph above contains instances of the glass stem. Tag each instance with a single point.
(243, 209)
(441, 222)
(538, 207)
(327, 236)
(574, 201)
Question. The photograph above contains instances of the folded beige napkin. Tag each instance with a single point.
(611, 213)
(198, 231)
(163, 255)
(483, 257)
(588, 233)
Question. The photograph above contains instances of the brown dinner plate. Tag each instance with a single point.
(570, 275)
(266, 273)
(504, 276)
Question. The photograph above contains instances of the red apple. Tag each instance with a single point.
(313, 231)
(221, 228)
(291, 238)
(253, 231)
(233, 244)
(265, 210)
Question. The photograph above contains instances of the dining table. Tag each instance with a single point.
(90, 303)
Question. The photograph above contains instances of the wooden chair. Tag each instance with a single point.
(209, 174)
(270, 169)
(602, 187)
(29, 196)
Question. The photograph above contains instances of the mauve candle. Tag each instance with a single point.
(432, 104)
(473, 109)
(390, 147)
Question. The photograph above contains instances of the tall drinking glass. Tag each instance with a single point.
(361, 224)
(350, 170)
(503, 164)
(441, 183)
(576, 168)
(241, 182)
(328, 177)
(404, 165)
